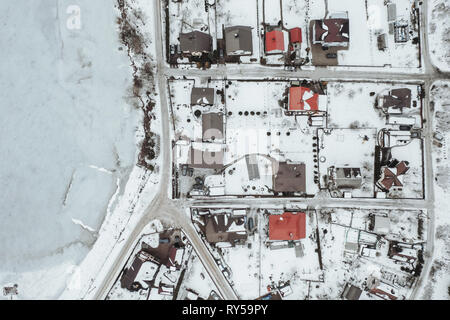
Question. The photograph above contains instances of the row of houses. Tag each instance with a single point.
(238, 40)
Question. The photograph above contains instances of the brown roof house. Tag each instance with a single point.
(331, 32)
(195, 43)
(238, 41)
(397, 99)
(212, 127)
(289, 177)
(224, 228)
(206, 156)
(391, 177)
(202, 96)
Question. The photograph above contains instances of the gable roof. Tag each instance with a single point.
(301, 98)
(331, 30)
(212, 126)
(295, 35)
(287, 226)
(238, 39)
(274, 41)
(195, 41)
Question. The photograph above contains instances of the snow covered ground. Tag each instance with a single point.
(438, 33)
(69, 137)
(438, 282)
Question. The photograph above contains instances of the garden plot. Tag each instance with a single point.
(187, 125)
(413, 178)
(190, 15)
(255, 266)
(257, 125)
(368, 20)
(239, 13)
(295, 14)
(272, 12)
(351, 105)
(353, 148)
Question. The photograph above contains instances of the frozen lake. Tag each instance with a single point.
(64, 115)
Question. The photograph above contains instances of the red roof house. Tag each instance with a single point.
(287, 226)
(301, 98)
(274, 41)
(295, 35)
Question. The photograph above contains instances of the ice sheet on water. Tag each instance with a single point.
(63, 109)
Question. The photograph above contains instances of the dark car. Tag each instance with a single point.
(331, 55)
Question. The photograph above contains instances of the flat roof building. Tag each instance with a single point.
(289, 177)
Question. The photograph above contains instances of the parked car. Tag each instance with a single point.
(331, 55)
(184, 169)
(172, 49)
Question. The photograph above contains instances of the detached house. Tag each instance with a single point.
(238, 41)
(195, 43)
(331, 32)
(391, 177)
(274, 41)
(287, 226)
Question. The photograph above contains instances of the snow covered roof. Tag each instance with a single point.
(202, 96)
(287, 226)
(398, 98)
(382, 225)
(391, 176)
(301, 98)
(331, 31)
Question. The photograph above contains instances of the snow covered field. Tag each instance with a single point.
(69, 137)
(438, 279)
(438, 33)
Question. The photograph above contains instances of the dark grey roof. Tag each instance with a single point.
(351, 292)
(399, 98)
(252, 167)
(195, 41)
(202, 96)
(205, 159)
(212, 126)
(289, 177)
(238, 39)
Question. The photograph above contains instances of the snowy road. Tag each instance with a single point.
(172, 210)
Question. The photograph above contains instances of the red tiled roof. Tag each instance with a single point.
(274, 41)
(301, 98)
(295, 35)
(287, 226)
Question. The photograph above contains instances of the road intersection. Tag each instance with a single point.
(174, 211)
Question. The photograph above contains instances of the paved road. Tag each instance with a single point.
(172, 210)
